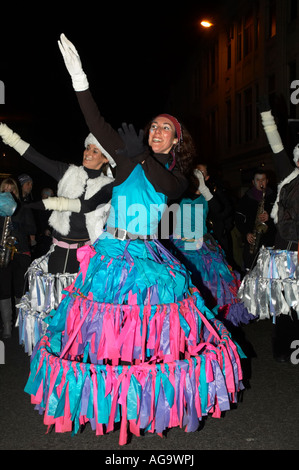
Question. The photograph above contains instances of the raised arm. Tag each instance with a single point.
(172, 184)
(77, 205)
(103, 132)
(51, 167)
(282, 162)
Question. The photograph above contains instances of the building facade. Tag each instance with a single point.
(251, 51)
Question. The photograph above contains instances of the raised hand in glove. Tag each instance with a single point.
(271, 131)
(204, 190)
(73, 64)
(133, 143)
(12, 139)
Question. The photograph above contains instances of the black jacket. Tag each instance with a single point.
(23, 225)
(288, 199)
(246, 214)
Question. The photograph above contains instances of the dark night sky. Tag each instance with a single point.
(129, 53)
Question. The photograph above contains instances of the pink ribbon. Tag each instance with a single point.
(77, 328)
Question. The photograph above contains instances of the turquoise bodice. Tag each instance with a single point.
(136, 206)
(190, 222)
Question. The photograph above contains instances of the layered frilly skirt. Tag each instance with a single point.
(132, 345)
(217, 282)
(272, 287)
(43, 295)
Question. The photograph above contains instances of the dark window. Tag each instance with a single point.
(272, 18)
(248, 35)
(229, 123)
(248, 114)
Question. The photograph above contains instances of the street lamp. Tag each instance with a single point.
(206, 23)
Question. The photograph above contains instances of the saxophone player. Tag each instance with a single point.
(253, 218)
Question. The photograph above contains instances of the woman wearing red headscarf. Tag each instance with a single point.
(138, 343)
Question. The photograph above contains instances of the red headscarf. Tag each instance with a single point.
(176, 124)
(178, 130)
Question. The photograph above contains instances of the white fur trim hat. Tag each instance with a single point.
(90, 139)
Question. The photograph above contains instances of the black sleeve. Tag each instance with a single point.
(37, 205)
(53, 168)
(103, 132)
(214, 207)
(171, 183)
(101, 197)
(283, 166)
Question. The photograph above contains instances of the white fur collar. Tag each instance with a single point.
(72, 185)
(288, 179)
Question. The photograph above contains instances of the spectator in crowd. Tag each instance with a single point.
(26, 184)
(12, 275)
(220, 221)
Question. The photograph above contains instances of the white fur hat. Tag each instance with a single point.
(90, 139)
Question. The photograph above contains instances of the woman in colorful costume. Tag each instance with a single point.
(204, 257)
(271, 287)
(132, 341)
(72, 228)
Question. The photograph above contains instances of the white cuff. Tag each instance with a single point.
(62, 204)
(12, 139)
(207, 194)
(80, 82)
(271, 131)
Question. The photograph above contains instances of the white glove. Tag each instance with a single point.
(12, 139)
(271, 131)
(204, 190)
(62, 204)
(73, 64)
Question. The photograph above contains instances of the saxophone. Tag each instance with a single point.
(259, 227)
(7, 245)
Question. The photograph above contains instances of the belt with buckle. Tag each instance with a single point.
(122, 234)
(72, 246)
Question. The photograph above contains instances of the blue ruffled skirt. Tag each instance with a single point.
(132, 342)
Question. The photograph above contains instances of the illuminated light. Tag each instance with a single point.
(206, 24)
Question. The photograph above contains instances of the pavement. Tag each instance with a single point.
(265, 418)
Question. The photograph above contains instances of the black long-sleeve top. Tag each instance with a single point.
(283, 166)
(171, 183)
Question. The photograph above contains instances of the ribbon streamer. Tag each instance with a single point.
(272, 287)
